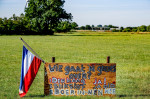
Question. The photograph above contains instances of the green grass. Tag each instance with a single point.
(131, 52)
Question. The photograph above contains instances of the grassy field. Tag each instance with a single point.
(130, 51)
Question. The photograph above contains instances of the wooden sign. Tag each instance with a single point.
(80, 79)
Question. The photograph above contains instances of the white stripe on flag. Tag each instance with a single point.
(27, 61)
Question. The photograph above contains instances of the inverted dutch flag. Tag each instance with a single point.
(30, 67)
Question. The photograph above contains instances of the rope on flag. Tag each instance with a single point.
(32, 50)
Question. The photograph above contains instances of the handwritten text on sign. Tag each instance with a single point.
(80, 79)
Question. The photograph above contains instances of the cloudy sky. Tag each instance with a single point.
(116, 12)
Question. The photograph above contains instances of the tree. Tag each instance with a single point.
(88, 27)
(148, 28)
(121, 29)
(64, 26)
(82, 27)
(99, 26)
(134, 29)
(128, 29)
(142, 28)
(1, 25)
(46, 14)
(5, 29)
(111, 26)
(106, 27)
(9, 24)
(74, 25)
(93, 26)
(114, 30)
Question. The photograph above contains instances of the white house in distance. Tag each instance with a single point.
(100, 28)
(111, 29)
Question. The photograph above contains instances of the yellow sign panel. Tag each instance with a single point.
(80, 79)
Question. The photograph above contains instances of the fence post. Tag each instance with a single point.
(53, 59)
(108, 59)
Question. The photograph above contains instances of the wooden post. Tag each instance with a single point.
(53, 59)
(108, 59)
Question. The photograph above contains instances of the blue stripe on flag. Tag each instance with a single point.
(24, 53)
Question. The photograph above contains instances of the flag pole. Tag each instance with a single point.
(32, 50)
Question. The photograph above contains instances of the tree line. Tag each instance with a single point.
(43, 17)
(20, 25)
(142, 28)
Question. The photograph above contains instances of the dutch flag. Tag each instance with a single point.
(30, 67)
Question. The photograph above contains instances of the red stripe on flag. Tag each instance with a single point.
(30, 75)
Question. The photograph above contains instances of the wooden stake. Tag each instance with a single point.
(108, 59)
(53, 59)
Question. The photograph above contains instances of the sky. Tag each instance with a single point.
(94, 12)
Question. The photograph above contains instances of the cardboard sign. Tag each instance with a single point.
(80, 79)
